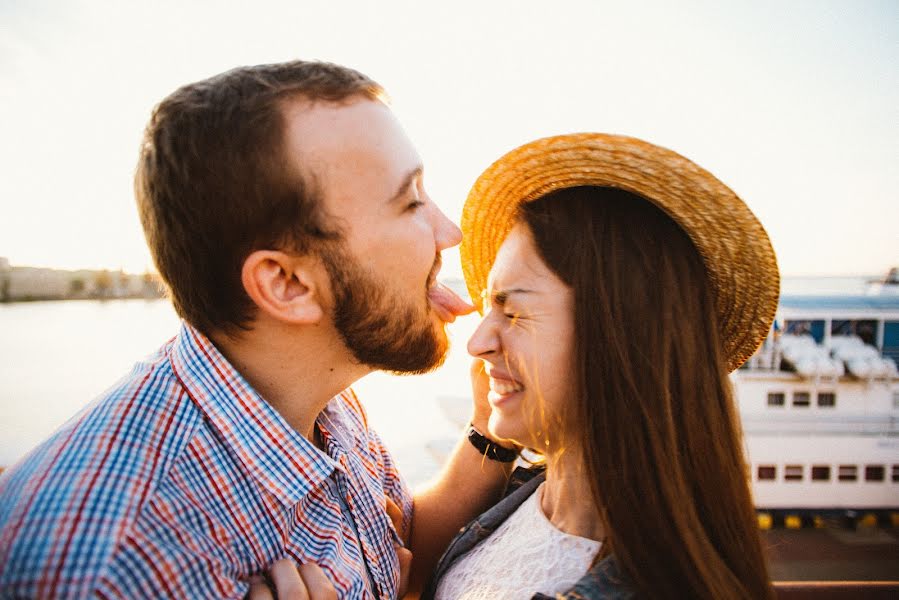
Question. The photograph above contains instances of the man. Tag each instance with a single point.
(286, 211)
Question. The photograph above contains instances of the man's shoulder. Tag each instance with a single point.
(63, 507)
(146, 409)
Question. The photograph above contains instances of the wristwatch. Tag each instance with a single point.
(489, 448)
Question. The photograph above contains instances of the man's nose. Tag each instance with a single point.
(446, 233)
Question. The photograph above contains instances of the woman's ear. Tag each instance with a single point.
(284, 286)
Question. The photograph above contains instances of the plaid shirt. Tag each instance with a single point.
(180, 482)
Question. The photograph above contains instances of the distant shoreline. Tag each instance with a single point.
(37, 284)
(82, 299)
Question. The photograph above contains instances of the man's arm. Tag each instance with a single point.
(468, 485)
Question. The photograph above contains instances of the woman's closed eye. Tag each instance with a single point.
(511, 317)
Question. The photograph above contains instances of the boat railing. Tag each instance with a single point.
(843, 356)
(881, 425)
(836, 590)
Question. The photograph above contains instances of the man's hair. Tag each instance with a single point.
(214, 184)
(652, 406)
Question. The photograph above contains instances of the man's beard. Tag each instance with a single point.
(382, 330)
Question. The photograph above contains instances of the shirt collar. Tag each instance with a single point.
(284, 462)
(341, 431)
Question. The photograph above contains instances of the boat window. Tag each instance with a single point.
(813, 328)
(895, 473)
(793, 473)
(776, 399)
(820, 472)
(866, 329)
(801, 399)
(767, 472)
(874, 472)
(827, 399)
(848, 473)
(891, 340)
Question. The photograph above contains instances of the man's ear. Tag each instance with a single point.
(285, 286)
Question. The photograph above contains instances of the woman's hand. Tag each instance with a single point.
(402, 553)
(308, 581)
(480, 385)
(290, 582)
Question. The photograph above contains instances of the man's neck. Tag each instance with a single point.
(296, 371)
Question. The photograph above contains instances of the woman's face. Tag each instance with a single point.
(526, 340)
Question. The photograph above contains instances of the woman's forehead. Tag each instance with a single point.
(519, 268)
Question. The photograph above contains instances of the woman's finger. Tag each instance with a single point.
(396, 516)
(316, 583)
(289, 585)
(259, 590)
(405, 558)
(480, 385)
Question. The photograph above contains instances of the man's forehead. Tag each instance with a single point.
(355, 123)
(348, 139)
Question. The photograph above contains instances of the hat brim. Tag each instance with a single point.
(735, 248)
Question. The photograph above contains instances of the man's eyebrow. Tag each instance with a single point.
(407, 181)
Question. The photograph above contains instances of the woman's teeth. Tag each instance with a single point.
(504, 387)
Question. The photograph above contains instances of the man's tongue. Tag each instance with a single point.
(447, 304)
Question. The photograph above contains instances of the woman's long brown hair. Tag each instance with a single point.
(661, 437)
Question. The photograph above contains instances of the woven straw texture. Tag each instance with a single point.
(733, 244)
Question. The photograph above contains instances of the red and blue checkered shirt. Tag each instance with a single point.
(180, 482)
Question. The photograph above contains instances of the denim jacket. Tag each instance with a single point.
(603, 580)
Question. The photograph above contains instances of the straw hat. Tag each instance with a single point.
(733, 244)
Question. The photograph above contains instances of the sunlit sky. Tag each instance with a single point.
(794, 104)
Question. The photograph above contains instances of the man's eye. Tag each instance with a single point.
(414, 205)
(512, 317)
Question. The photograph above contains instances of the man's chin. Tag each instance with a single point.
(440, 351)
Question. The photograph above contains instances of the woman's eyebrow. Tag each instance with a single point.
(500, 296)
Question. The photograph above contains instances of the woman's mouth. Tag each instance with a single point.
(502, 389)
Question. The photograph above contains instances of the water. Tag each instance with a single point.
(57, 356)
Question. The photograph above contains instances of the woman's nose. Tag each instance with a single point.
(483, 341)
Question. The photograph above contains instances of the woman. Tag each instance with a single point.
(625, 282)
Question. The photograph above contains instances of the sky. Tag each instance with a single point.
(794, 105)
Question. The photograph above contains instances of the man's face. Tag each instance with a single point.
(386, 309)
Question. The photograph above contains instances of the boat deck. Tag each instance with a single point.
(833, 554)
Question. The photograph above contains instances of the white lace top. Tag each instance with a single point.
(525, 555)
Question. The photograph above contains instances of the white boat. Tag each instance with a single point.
(819, 404)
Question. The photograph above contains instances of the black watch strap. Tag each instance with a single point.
(489, 448)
